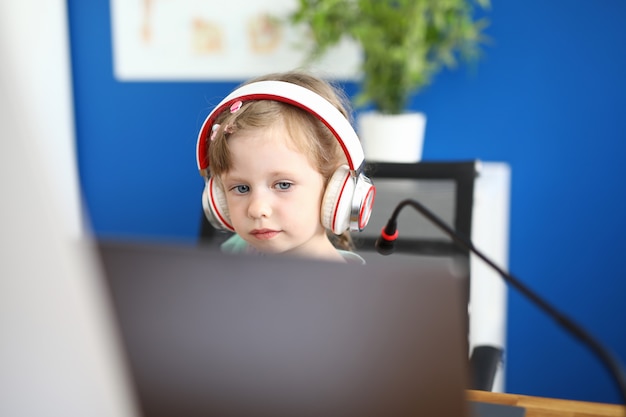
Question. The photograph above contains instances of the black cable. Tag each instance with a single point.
(385, 246)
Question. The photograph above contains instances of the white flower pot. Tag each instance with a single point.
(392, 138)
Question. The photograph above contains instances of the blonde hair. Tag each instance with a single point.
(310, 136)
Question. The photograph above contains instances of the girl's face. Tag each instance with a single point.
(274, 194)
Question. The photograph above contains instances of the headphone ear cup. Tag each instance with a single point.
(215, 207)
(337, 201)
(364, 195)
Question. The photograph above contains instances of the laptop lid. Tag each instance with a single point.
(211, 334)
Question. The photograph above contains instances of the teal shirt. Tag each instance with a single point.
(235, 244)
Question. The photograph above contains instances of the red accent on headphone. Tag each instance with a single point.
(366, 208)
(343, 187)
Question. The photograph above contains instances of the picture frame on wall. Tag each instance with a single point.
(170, 40)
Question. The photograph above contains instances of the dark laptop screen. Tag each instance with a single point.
(209, 334)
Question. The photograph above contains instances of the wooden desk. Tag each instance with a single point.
(549, 407)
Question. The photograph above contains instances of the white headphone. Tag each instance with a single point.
(349, 195)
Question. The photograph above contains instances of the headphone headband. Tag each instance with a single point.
(297, 96)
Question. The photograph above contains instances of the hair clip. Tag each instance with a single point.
(235, 106)
(214, 129)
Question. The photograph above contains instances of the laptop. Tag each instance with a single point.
(212, 334)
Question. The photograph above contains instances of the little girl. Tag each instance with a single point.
(283, 169)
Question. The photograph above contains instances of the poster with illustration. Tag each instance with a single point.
(171, 40)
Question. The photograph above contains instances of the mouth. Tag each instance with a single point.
(264, 234)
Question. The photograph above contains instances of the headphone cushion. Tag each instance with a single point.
(337, 201)
(215, 207)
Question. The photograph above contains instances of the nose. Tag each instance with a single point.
(260, 205)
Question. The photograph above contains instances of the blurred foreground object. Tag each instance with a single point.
(58, 353)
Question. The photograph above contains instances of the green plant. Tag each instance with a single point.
(404, 42)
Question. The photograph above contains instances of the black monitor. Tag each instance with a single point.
(445, 188)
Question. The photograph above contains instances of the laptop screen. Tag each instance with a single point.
(210, 334)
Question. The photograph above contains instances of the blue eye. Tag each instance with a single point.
(241, 189)
(283, 185)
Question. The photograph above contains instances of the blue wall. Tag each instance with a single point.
(549, 98)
